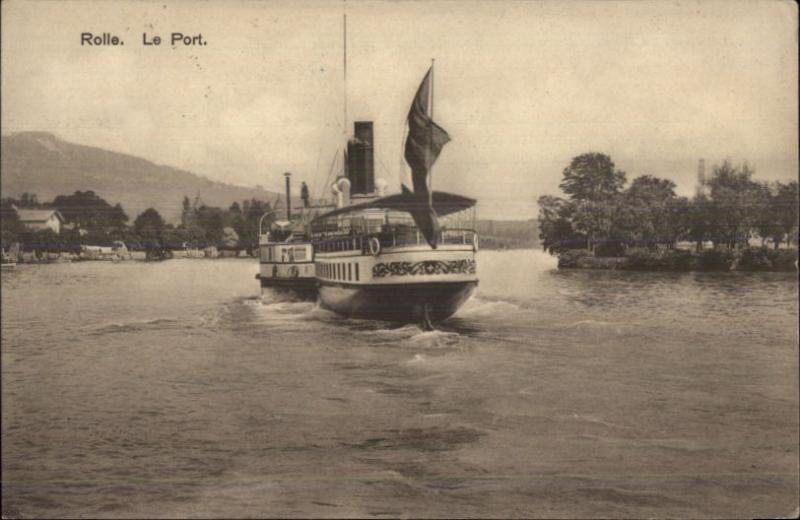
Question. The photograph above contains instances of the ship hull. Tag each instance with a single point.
(303, 289)
(398, 302)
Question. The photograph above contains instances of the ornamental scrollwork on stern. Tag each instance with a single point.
(422, 268)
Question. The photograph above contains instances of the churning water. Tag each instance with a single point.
(171, 389)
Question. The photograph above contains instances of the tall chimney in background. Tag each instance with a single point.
(360, 159)
(701, 177)
(288, 196)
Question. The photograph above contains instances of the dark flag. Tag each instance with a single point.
(423, 145)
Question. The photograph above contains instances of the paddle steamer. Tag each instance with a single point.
(407, 257)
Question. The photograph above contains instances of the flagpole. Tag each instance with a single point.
(430, 143)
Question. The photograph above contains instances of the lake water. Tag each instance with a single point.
(171, 389)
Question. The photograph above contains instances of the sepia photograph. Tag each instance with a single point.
(399, 259)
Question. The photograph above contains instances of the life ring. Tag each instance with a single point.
(475, 243)
(374, 246)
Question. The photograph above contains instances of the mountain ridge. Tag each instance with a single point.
(44, 164)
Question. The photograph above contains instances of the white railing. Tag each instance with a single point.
(394, 238)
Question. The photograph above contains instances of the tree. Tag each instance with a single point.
(211, 220)
(252, 212)
(737, 203)
(149, 226)
(117, 218)
(10, 226)
(700, 221)
(598, 221)
(187, 212)
(651, 189)
(678, 220)
(650, 201)
(304, 194)
(785, 203)
(89, 211)
(592, 177)
(555, 226)
(28, 200)
(41, 241)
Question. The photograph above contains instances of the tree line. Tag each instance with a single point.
(604, 216)
(91, 220)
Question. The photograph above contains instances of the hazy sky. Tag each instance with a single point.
(521, 87)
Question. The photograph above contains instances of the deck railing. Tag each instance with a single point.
(394, 238)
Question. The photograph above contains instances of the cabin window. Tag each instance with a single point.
(349, 272)
(356, 271)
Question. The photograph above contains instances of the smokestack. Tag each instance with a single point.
(288, 196)
(700, 190)
(701, 171)
(360, 159)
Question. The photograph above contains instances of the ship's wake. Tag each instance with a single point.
(480, 307)
(413, 336)
(473, 321)
(135, 326)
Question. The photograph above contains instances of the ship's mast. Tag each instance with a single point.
(344, 86)
(344, 69)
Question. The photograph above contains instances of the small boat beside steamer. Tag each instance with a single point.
(286, 256)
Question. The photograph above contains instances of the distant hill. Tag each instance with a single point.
(508, 234)
(41, 163)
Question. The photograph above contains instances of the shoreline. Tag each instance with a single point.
(64, 258)
(750, 259)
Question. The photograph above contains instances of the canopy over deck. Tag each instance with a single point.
(443, 203)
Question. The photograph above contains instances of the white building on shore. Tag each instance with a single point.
(40, 219)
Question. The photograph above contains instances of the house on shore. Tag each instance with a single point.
(40, 219)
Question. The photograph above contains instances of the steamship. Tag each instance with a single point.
(286, 255)
(407, 257)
